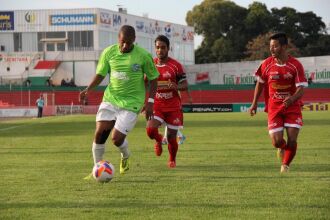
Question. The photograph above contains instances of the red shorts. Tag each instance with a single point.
(173, 119)
(280, 117)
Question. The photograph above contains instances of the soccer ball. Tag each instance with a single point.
(103, 171)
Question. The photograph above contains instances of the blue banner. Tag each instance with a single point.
(72, 19)
(6, 20)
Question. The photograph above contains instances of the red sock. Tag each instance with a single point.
(172, 148)
(154, 134)
(289, 153)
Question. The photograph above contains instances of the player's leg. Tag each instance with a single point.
(105, 120)
(172, 145)
(291, 148)
(275, 128)
(164, 141)
(293, 123)
(181, 136)
(125, 122)
(153, 132)
(173, 120)
(102, 131)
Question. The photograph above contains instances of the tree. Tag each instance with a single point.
(258, 20)
(258, 48)
(303, 28)
(217, 19)
(228, 28)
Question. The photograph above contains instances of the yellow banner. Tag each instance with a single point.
(316, 106)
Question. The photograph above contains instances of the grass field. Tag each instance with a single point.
(226, 169)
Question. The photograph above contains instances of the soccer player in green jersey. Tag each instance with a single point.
(124, 96)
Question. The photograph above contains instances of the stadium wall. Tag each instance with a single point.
(221, 98)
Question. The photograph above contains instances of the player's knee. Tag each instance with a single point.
(171, 136)
(117, 141)
(102, 136)
(151, 132)
(278, 143)
(292, 144)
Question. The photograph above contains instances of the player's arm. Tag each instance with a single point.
(152, 74)
(291, 99)
(95, 82)
(181, 85)
(102, 69)
(300, 82)
(150, 102)
(257, 92)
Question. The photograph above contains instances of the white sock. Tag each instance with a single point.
(179, 134)
(165, 133)
(98, 151)
(123, 148)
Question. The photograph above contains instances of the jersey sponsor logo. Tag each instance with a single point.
(278, 86)
(120, 75)
(136, 67)
(281, 95)
(164, 95)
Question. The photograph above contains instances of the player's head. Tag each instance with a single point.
(278, 44)
(162, 45)
(126, 38)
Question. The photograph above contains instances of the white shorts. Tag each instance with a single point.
(125, 120)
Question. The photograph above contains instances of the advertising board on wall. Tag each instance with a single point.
(7, 21)
(72, 19)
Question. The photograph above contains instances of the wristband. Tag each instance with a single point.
(151, 100)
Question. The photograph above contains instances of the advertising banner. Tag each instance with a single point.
(7, 21)
(317, 70)
(72, 19)
(244, 107)
(19, 112)
(208, 108)
(316, 106)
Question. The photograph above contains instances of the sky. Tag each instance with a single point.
(169, 10)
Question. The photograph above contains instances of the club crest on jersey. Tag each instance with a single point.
(136, 67)
(274, 75)
(288, 76)
(166, 75)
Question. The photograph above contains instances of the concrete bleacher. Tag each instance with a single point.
(26, 69)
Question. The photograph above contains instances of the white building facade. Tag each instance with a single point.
(75, 38)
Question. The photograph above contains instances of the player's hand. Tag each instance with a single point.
(149, 107)
(83, 95)
(287, 101)
(172, 85)
(253, 110)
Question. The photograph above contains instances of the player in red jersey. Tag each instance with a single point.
(167, 106)
(283, 78)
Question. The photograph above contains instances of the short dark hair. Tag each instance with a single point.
(281, 37)
(127, 30)
(164, 39)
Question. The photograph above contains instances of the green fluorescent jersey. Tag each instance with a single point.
(126, 88)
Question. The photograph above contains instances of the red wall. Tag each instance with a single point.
(19, 98)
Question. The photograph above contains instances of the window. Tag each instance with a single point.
(50, 47)
(17, 42)
(60, 46)
(80, 40)
(43, 35)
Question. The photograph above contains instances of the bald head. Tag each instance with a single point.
(126, 38)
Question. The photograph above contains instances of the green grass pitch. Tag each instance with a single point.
(226, 169)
